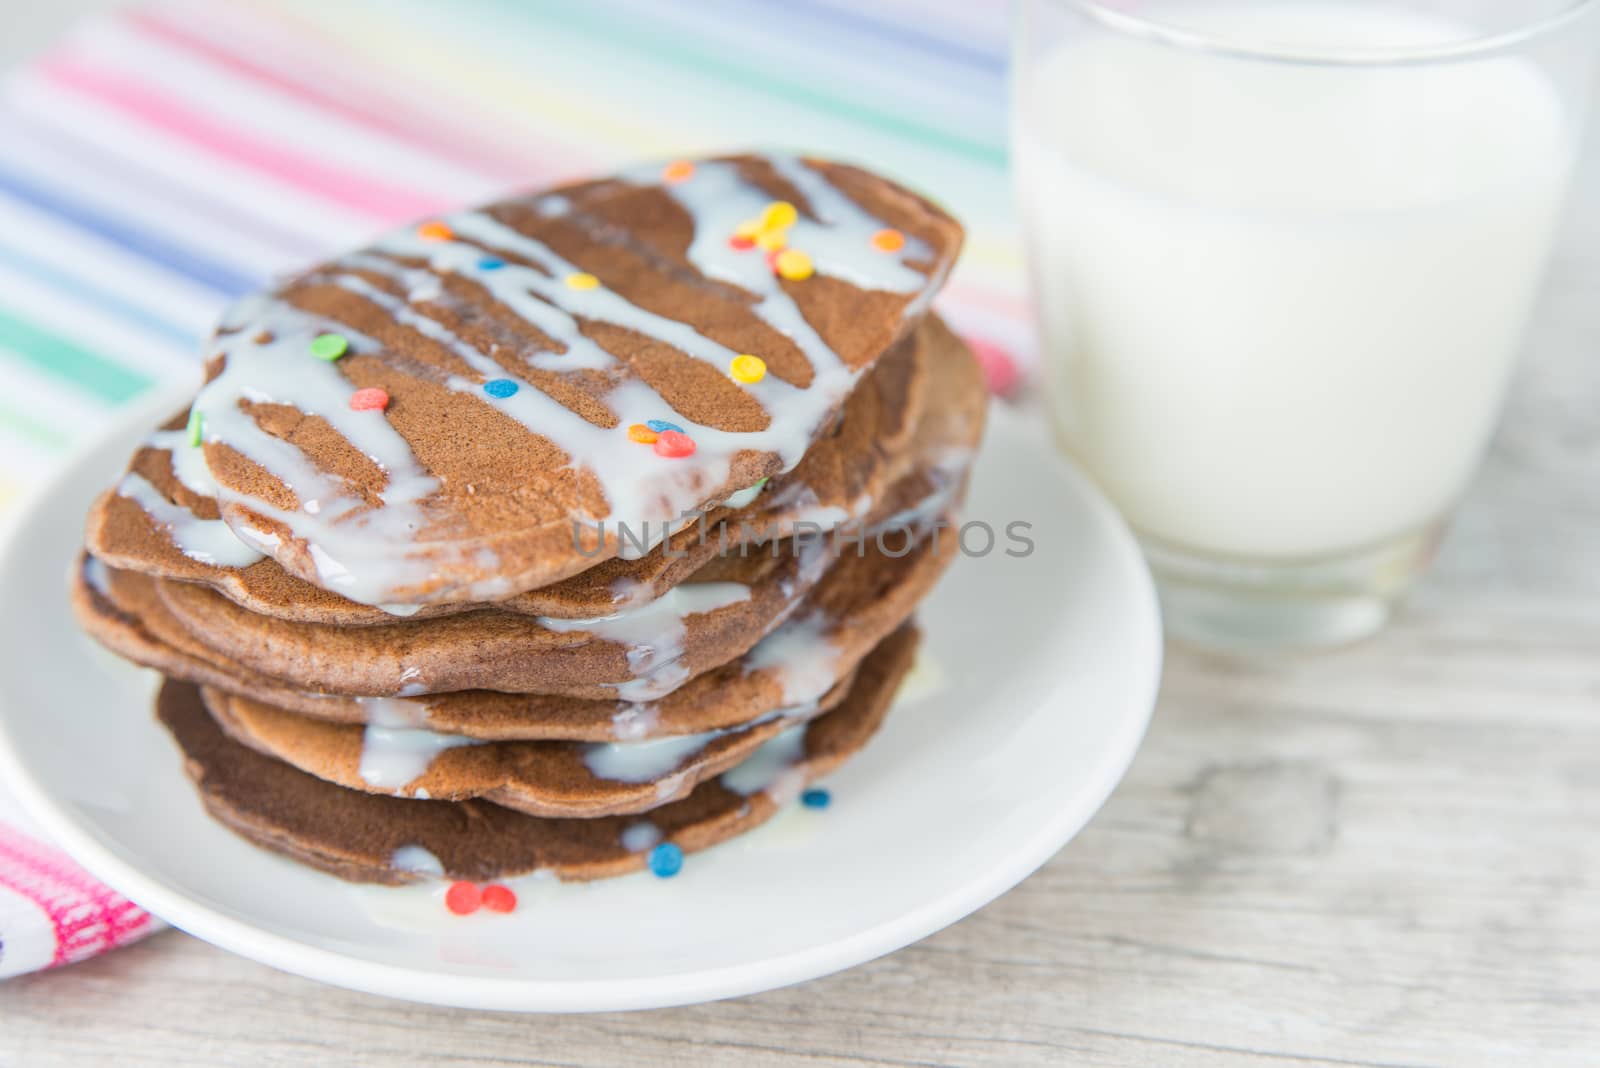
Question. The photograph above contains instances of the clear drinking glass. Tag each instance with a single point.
(1283, 254)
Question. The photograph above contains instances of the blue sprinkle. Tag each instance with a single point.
(816, 798)
(500, 387)
(659, 425)
(489, 263)
(666, 860)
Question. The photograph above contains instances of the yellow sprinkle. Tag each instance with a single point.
(749, 228)
(770, 240)
(747, 369)
(779, 215)
(582, 281)
(642, 434)
(794, 265)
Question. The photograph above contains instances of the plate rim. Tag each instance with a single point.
(509, 994)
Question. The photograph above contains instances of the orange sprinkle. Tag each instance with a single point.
(888, 241)
(679, 170)
(642, 434)
(435, 231)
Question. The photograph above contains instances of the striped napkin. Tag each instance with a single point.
(168, 157)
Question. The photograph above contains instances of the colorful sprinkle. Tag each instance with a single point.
(742, 243)
(794, 265)
(749, 228)
(666, 860)
(658, 425)
(771, 240)
(816, 798)
(196, 427)
(642, 434)
(463, 898)
(674, 444)
(679, 170)
(498, 898)
(490, 263)
(888, 241)
(329, 346)
(747, 369)
(999, 367)
(435, 231)
(580, 280)
(371, 399)
(779, 215)
(500, 387)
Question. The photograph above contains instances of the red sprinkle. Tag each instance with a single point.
(743, 244)
(772, 258)
(369, 400)
(463, 898)
(671, 444)
(497, 898)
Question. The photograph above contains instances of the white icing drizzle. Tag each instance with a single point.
(798, 507)
(391, 757)
(366, 552)
(643, 761)
(744, 498)
(416, 859)
(771, 769)
(654, 633)
(395, 712)
(209, 541)
(807, 663)
(634, 722)
(641, 836)
(646, 761)
(188, 461)
(814, 555)
(95, 573)
(631, 593)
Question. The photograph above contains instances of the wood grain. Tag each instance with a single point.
(1388, 855)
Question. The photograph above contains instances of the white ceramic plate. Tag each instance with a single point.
(1036, 684)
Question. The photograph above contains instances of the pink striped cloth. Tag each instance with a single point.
(52, 912)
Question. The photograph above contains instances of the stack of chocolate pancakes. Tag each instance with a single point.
(535, 537)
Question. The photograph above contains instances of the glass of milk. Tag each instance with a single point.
(1283, 254)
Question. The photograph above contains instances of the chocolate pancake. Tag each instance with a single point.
(169, 498)
(695, 626)
(454, 413)
(577, 779)
(799, 662)
(356, 835)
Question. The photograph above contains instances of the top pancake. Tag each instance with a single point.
(584, 311)
(871, 446)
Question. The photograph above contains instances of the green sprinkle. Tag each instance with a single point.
(197, 425)
(329, 346)
(758, 485)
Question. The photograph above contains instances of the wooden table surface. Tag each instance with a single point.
(1388, 855)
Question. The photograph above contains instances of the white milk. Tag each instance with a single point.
(1281, 303)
